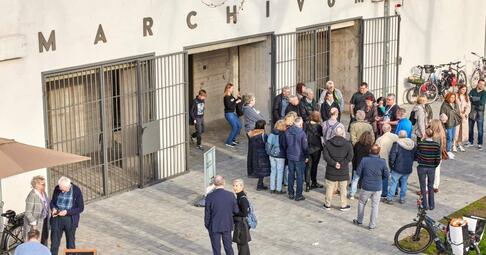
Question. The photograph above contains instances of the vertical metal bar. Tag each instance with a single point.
(104, 130)
(328, 55)
(273, 87)
(139, 126)
(399, 19)
(186, 104)
(361, 53)
(386, 53)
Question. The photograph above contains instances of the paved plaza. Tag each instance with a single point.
(162, 220)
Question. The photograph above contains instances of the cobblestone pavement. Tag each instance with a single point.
(161, 219)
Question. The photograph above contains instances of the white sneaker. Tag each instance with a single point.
(461, 148)
(451, 155)
(480, 147)
(454, 148)
(469, 145)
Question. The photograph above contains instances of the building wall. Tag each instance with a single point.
(430, 33)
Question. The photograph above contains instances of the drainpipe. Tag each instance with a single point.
(386, 49)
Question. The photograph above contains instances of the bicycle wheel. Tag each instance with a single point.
(475, 78)
(411, 95)
(461, 78)
(430, 91)
(413, 238)
(10, 243)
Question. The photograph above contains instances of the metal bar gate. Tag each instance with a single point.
(380, 38)
(128, 116)
(302, 56)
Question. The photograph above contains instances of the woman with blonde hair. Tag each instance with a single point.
(276, 153)
(37, 209)
(462, 130)
(290, 118)
(421, 118)
(241, 232)
(439, 137)
(230, 104)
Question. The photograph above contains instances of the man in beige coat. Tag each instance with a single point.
(360, 126)
(386, 142)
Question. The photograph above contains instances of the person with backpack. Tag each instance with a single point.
(314, 136)
(197, 116)
(418, 117)
(241, 229)
(297, 153)
(258, 163)
(329, 127)
(276, 153)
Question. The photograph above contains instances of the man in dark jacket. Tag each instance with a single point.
(297, 107)
(218, 216)
(197, 116)
(296, 148)
(280, 104)
(338, 153)
(372, 170)
(67, 204)
(477, 97)
(401, 159)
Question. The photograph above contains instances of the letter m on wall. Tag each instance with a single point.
(49, 44)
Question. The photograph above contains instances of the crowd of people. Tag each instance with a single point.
(58, 215)
(374, 155)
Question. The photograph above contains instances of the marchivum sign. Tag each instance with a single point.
(99, 35)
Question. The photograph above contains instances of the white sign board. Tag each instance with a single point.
(209, 166)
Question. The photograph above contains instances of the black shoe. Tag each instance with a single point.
(316, 185)
(343, 209)
(200, 147)
(390, 202)
(261, 188)
(236, 142)
(280, 192)
(326, 207)
(272, 191)
(291, 196)
(356, 222)
(299, 198)
(307, 188)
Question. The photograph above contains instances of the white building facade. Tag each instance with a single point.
(113, 79)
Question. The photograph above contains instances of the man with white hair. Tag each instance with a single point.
(67, 204)
(386, 142)
(280, 104)
(336, 93)
(360, 126)
(309, 101)
(338, 153)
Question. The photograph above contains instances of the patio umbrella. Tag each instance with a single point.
(17, 158)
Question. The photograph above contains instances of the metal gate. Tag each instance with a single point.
(302, 56)
(380, 39)
(127, 116)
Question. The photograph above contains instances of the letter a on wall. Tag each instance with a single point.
(100, 35)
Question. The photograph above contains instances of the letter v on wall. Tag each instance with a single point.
(301, 4)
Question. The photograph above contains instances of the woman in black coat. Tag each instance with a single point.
(241, 231)
(258, 163)
(327, 105)
(314, 136)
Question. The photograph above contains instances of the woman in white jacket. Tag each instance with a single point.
(462, 130)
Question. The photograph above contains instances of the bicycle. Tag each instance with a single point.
(453, 75)
(479, 70)
(13, 232)
(427, 88)
(419, 235)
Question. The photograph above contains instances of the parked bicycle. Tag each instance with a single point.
(479, 70)
(423, 87)
(452, 76)
(417, 236)
(13, 232)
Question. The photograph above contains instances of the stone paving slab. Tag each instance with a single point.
(161, 219)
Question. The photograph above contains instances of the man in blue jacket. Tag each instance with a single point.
(296, 148)
(402, 155)
(404, 123)
(372, 170)
(218, 216)
(67, 204)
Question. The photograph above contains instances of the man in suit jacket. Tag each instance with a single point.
(67, 204)
(218, 216)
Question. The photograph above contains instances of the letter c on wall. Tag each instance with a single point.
(188, 20)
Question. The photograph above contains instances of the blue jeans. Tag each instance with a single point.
(354, 186)
(385, 187)
(426, 178)
(296, 169)
(235, 123)
(276, 174)
(480, 122)
(397, 178)
(450, 133)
